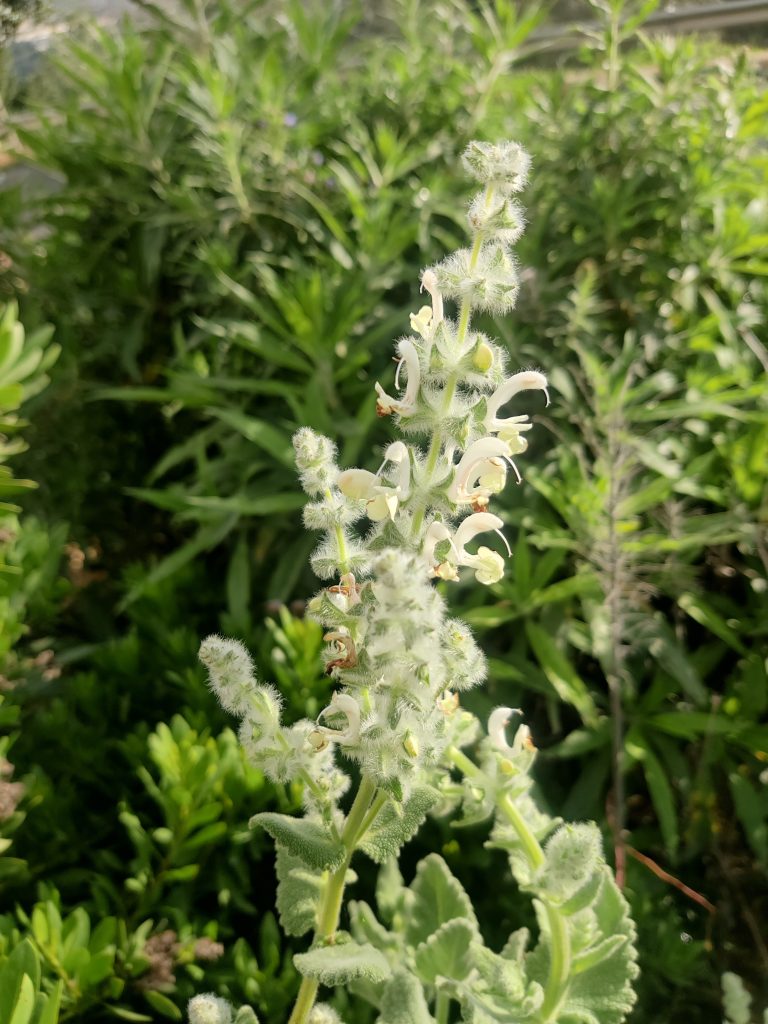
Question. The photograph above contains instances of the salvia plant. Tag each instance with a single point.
(399, 663)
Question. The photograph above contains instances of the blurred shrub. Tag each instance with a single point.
(241, 219)
(634, 627)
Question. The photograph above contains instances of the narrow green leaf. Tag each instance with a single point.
(561, 674)
(695, 606)
(25, 1002)
(162, 1004)
(659, 788)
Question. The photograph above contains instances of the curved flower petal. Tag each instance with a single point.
(526, 380)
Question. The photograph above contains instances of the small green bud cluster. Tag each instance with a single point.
(282, 753)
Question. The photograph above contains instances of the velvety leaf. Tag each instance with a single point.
(311, 843)
(342, 963)
(436, 897)
(298, 893)
(395, 826)
(446, 953)
(404, 1001)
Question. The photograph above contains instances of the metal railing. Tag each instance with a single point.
(693, 18)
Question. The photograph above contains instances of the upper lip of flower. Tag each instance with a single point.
(497, 723)
(429, 284)
(345, 704)
(468, 529)
(473, 463)
(405, 406)
(526, 380)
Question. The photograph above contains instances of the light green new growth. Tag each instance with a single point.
(399, 662)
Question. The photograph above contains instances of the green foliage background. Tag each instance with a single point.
(243, 196)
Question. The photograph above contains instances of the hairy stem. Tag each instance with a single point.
(357, 824)
(442, 1007)
(559, 937)
(341, 543)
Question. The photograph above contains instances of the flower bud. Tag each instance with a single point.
(230, 672)
(315, 460)
(411, 745)
(482, 360)
(505, 165)
(209, 1009)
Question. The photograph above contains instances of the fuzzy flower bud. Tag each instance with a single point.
(482, 358)
(505, 165)
(488, 283)
(315, 460)
(502, 218)
(323, 1013)
(232, 678)
(209, 1009)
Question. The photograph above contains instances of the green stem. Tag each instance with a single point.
(559, 937)
(358, 821)
(531, 845)
(442, 1006)
(559, 964)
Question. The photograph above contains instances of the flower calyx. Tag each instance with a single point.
(345, 643)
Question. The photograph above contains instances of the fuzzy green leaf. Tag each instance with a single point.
(573, 855)
(391, 894)
(436, 897)
(366, 927)
(394, 826)
(338, 965)
(446, 953)
(497, 991)
(298, 893)
(404, 1001)
(602, 938)
(310, 842)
